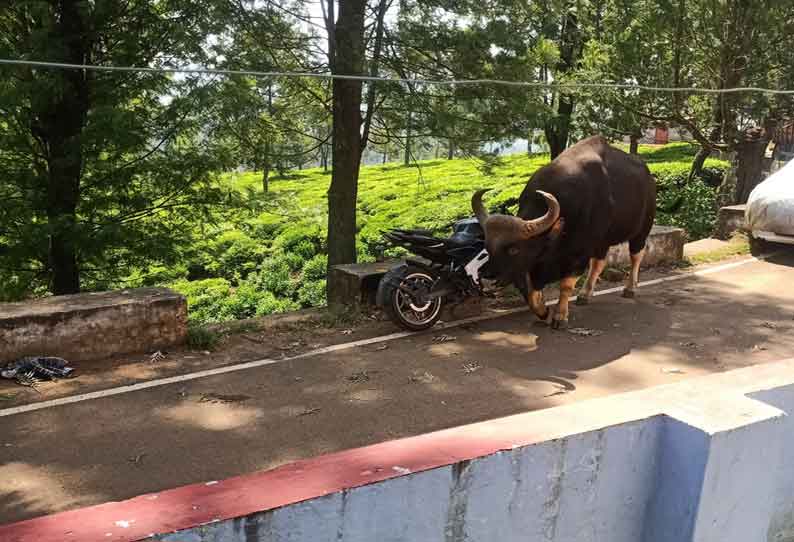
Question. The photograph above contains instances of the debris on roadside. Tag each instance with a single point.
(360, 376)
(136, 459)
(424, 378)
(219, 398)
(30, 371)
(444, 339)
(759, 348)
(252, 339)
(690, 344)
(673, 371)
(585, 332)
(471, 367)
(157, 356)
(309, 411)
(769, 325)
(347, 332)
(381, 347)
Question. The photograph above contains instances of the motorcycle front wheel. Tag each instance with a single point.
(400, 295)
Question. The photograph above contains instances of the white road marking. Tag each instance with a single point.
(334, 348)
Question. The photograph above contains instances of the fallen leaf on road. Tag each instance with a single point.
(585, 332)
(361, 376)
(137, 458)
(471, 367)
(309, 412)
(218, 398)
(291, 346)
(425, 378)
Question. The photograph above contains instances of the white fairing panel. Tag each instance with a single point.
(770, 207)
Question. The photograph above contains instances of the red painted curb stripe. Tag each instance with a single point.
(198, 504)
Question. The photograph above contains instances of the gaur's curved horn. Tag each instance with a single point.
(478, 207)
(536, 226)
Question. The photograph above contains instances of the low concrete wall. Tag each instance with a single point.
(706, 460)
(360, 281)
(665, 245)
(730, 220)
(93, 326)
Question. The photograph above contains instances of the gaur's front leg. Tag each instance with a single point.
(535, 300)
(560, 318)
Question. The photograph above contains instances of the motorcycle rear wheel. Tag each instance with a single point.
(403, 308)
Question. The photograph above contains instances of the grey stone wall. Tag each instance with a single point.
(93, 326)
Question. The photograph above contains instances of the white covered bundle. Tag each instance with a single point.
(770, 206)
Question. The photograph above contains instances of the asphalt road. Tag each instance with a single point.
(111, 448)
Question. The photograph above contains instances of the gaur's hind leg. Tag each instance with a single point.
(594, 271)
(560, 318)
(637, 250)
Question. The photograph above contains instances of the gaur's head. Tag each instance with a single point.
(514, 245)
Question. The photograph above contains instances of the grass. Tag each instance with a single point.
(201, 338)
(432, 194)
(739, 245)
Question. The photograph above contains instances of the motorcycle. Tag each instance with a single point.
(448, 270)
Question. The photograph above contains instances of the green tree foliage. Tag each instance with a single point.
(101, 172)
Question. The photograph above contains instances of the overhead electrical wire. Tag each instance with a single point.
(368, 78)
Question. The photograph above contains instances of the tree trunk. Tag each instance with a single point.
(267, 165)
(407, 158)
(749, 165)
(374, 71)
(348, 59)
(266, 178)
(385, 157)
(451, 150)
(557, 129)
(697, 163)
(635, 144)
(61, 122)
